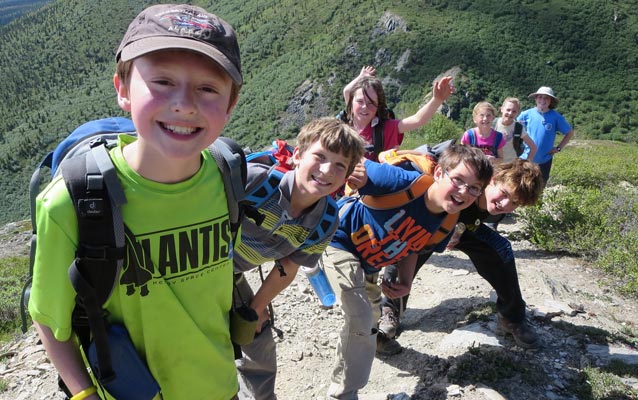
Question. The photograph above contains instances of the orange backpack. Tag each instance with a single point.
(425, 163)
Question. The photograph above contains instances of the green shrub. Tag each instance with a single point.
(594, 164)
(597, 224)
(13, 272)
(596, 384)
(437, 130)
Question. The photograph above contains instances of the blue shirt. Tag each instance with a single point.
(384, 237)
(542, 128)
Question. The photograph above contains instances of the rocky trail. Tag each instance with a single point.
(450, 348)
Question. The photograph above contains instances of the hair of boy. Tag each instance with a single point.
(181, 27)
(514, 101)
(472, 157)
(365, 83)
(483, 105)
(523, 177)
(335, 136)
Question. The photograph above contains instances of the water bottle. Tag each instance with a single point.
(320, 284)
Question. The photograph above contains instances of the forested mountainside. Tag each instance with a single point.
(58, 62)
(12, 9)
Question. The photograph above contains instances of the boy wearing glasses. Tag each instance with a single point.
(514, 184)
(370, 238)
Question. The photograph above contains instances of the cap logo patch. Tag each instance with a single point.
(196, 26)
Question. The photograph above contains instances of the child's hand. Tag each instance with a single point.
(263, 317)
(456, 236)
(394, 290)
(367, 70)
(443, 88)
(358, 178)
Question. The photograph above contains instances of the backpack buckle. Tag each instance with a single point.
(97, 141)
(96, 253)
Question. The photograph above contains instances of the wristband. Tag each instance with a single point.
(81, 395)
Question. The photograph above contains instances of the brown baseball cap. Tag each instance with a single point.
(171, 26)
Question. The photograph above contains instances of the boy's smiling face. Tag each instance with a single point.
(179, 102)
(451, 190)
(318, 171)
(499, 198)
(509, 111)
(543, 102)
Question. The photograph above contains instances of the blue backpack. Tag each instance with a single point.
(97, 196)
(279, 157)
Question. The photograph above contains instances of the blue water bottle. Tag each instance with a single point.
(320, 284)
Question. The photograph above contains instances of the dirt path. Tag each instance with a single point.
(446, 356)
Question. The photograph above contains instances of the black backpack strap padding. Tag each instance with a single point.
(231, 160)
(377, 139)
(517, 142)
(97, 197)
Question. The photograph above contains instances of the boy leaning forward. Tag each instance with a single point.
(326, 154)
(368, 239)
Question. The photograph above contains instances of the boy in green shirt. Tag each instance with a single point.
(179, 76)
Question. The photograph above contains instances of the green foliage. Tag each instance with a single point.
(489, 366)
(439, 129)
(298, 55)
(589, 217)
(594, 164)
(482, 312)
(600, 384)
(13, 273)
(12, 9)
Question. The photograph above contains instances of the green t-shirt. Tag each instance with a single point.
(175, 289)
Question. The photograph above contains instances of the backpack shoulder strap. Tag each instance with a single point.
(444, 230)
(231, 160)
(517, 141)
(497, 141)
(471, 137)
(377, 138)
(518, 129)
(97, 198)
(329, 217)
(416, 189)
(424, 163)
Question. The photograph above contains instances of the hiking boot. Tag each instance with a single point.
(523, 333)
(387, 346)
(389, 322)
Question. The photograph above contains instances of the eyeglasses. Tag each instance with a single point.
(460, 184)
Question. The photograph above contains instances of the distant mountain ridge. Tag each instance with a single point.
(296, 57)
(12, 9)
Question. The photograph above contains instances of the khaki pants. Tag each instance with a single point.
(257, 369)
(360, 299)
